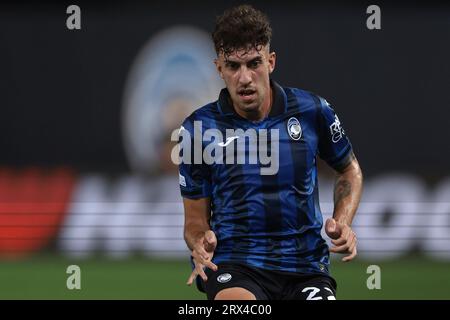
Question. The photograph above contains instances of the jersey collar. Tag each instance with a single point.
(278, 106)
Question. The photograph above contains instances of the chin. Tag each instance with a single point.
(250, 107)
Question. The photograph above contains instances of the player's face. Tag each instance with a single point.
(246, 75)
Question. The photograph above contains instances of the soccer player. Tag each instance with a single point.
(255, 235)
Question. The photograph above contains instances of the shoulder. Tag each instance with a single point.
(307, 102)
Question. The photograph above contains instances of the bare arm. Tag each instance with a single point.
(347, 194)
(197, 213)
(198, 236)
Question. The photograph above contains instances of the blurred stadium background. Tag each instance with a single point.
(86, 117)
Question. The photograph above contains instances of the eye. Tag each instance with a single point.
(232, 65)
(254, 63)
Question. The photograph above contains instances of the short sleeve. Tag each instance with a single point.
(194, 176)
(334, 145)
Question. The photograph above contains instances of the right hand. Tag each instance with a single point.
(202, 255)
(343, 238)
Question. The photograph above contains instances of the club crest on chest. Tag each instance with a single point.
(294, 129)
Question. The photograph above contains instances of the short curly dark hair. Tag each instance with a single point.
(241, 27)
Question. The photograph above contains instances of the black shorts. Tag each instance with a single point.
(269, 284)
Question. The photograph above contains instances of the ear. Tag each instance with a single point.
(272, 60)
(218, 67)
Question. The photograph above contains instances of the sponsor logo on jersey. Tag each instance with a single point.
(337, 132)
(229, 140)
(182, 180)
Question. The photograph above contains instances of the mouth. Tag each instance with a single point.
(247, 94)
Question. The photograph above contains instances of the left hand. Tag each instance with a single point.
(342, 237)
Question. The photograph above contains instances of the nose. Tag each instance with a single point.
(245, 77)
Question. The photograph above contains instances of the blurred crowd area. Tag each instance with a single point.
(84, 215)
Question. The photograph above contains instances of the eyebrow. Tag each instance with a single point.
(258, 58)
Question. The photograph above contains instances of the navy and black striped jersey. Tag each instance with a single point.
(268, 221)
